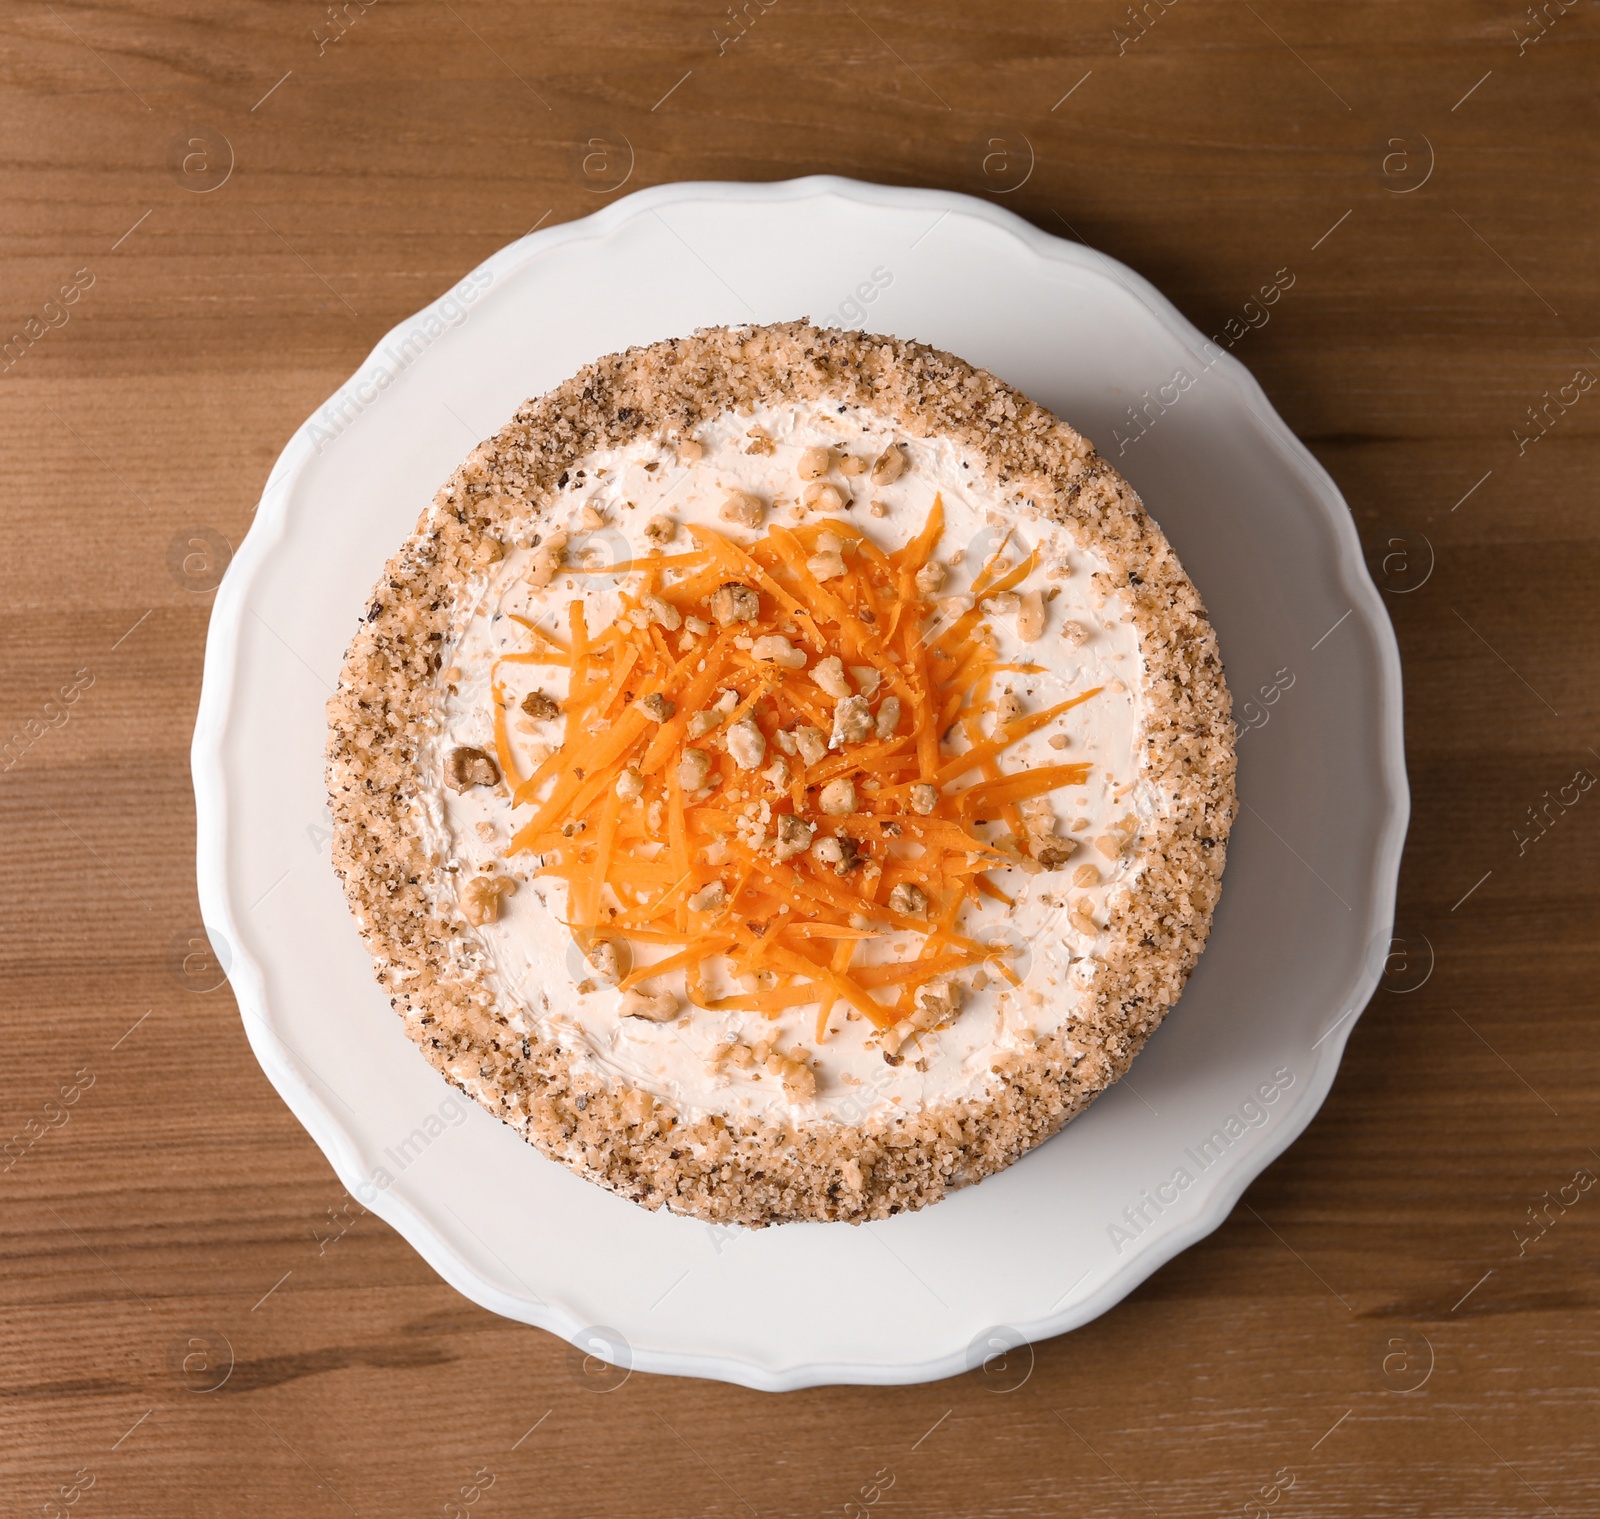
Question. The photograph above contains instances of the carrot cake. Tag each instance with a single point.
(786, 775)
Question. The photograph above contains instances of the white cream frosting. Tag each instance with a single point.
(534, 966)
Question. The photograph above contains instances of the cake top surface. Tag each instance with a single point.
(812, 992)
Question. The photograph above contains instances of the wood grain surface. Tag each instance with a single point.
(239, 199)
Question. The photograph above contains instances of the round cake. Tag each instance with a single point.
(786, 775)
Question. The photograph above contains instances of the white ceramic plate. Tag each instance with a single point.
(1306, 906)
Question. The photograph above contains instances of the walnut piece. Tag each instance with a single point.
(657, 1008)
(742, 508)
(539, 707)
(852, 722)
(1030, 617)
(909, 900)
(546, 560)
(481, 896)
(774, 648)
(711, 897)
(746, 743)
(838, 798)
(733, 602)
(867, 678)
(889, 465)
(663, 613)
(811, 744)
(470, 767)
(693, 769)
(602, 955)
(838, 852)
(814, 463)
(794, 837)
(829, 675)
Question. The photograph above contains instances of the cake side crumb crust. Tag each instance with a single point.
(764, 1172)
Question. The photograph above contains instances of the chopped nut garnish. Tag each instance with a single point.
(794, 837)
(1058, 741)
(746, 743)
(630, 785)
(546, 560)
(657, 1008)
(662, 613)
(1030, 617)
(825, 566)
(702, 723)
(1086, 875)
(733, 602)
(1110, 845)
(867, 678)
(656, 707)
(811, 743)
(888, 716)
(889, 465)
(743, 508)
(909, 900)
(690, 452)
(930, 578)
(1008, 709)
(799, 1081)
(814, 463)
(602, 955)
(829, 675)
(923, 799)
(852, 722)
(852, 464)
(711, 897)
(820, 497)
(936, 1003)
(838, 798)
(470, 767)
(661, 530)
(1075, 633)
(540, 707)
(480, 898)
(693, 769)
(839, 853)
(777, 649)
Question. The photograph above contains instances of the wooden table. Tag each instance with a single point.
(238, 202)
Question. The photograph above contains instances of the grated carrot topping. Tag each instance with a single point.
(683, 857)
